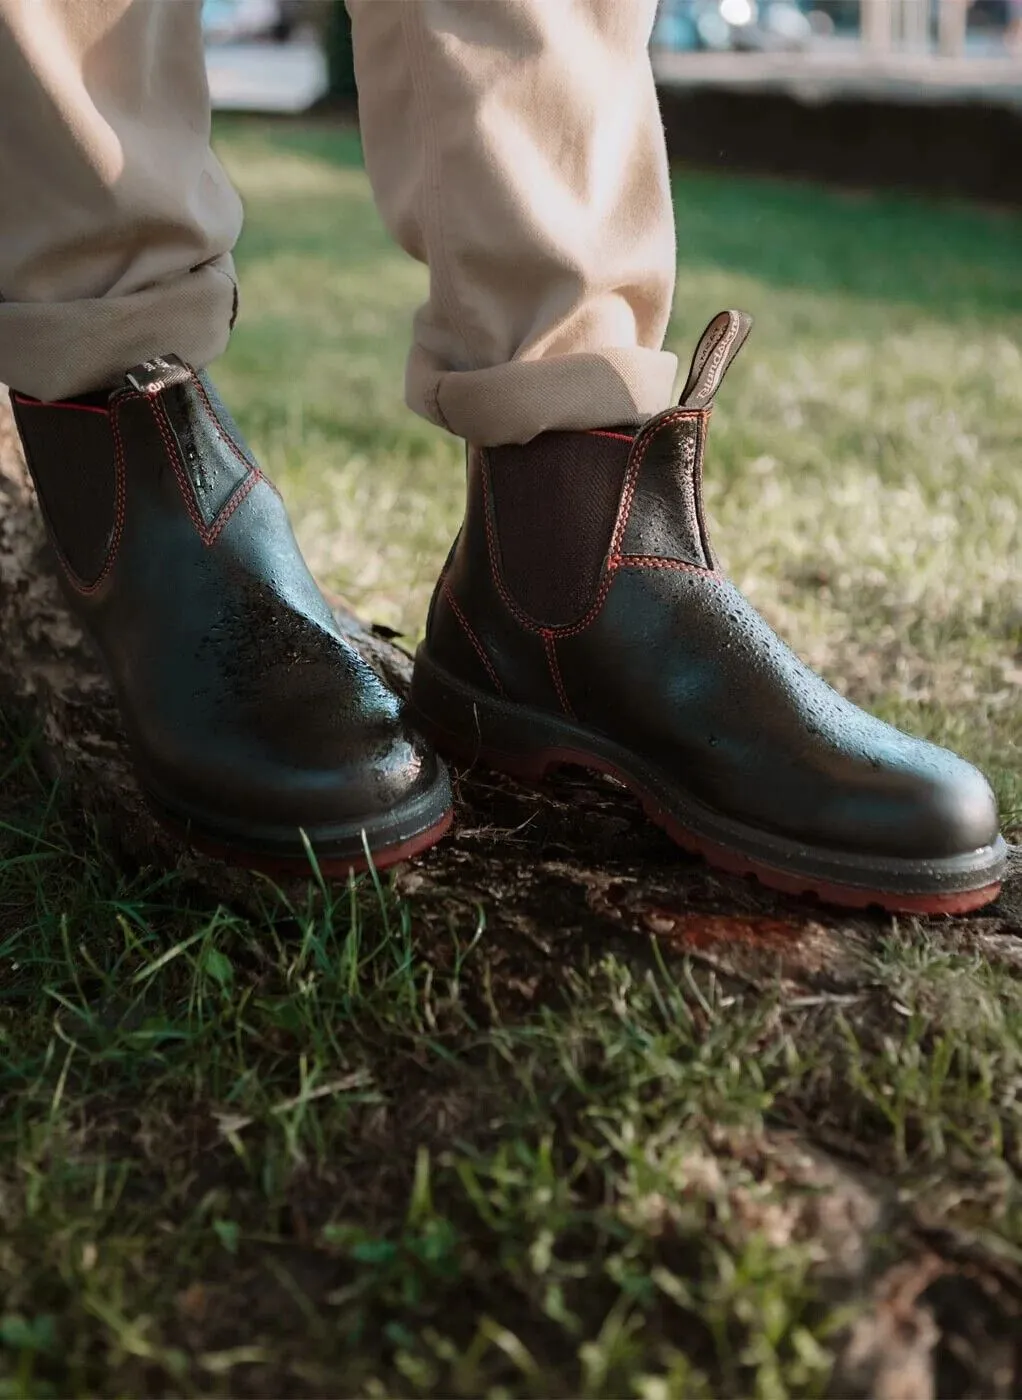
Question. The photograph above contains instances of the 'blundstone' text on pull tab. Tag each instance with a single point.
(718, 345)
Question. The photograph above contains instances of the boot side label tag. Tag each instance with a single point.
(154, 375)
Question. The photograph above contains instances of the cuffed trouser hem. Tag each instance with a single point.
(53, 350)
(514, 402)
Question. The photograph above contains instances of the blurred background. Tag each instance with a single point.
(924, 94)
(851, 174)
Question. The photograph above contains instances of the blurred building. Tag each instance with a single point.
(953, 28)
(903, 50)
(914, 94)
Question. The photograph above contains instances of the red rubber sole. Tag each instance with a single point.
(339, 867)
(533, 767)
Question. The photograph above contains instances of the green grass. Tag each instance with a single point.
(414, 1139)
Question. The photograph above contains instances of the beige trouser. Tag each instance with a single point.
(514, 146)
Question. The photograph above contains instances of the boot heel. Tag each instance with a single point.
(471, 727)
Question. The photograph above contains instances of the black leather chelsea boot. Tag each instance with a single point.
(250, 719)
(581, 619)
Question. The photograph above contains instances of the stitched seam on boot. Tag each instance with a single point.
(642, 443)
(639, 451)
(702, 416)
(219, 428)
(476, 644)
(704, 535)
(550, 646)
(229, 441)
(208, 534)
(27, 402)
(241, 493)
(605, 432)
(120, 503)
(491, 550)
(654, 561)
(538, 629)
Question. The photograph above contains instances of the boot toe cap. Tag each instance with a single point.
(910, 800)
(391, 773)
(950, 809)
(333, 782)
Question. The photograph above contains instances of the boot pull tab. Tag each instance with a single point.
(719, 343)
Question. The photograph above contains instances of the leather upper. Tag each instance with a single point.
(668, 659)
(239, 695)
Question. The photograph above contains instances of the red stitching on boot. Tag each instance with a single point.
(120, 506)
(654, 561)
(704, 534)
(522, 618)
(181, 476)
(550, 647)
(477, 645)
(602, 432)
(240, 494)
(228, 440)
(491, 548)
(219, 427)
(639, 451)
(27, 402)
(640, 447)
(208, 534)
